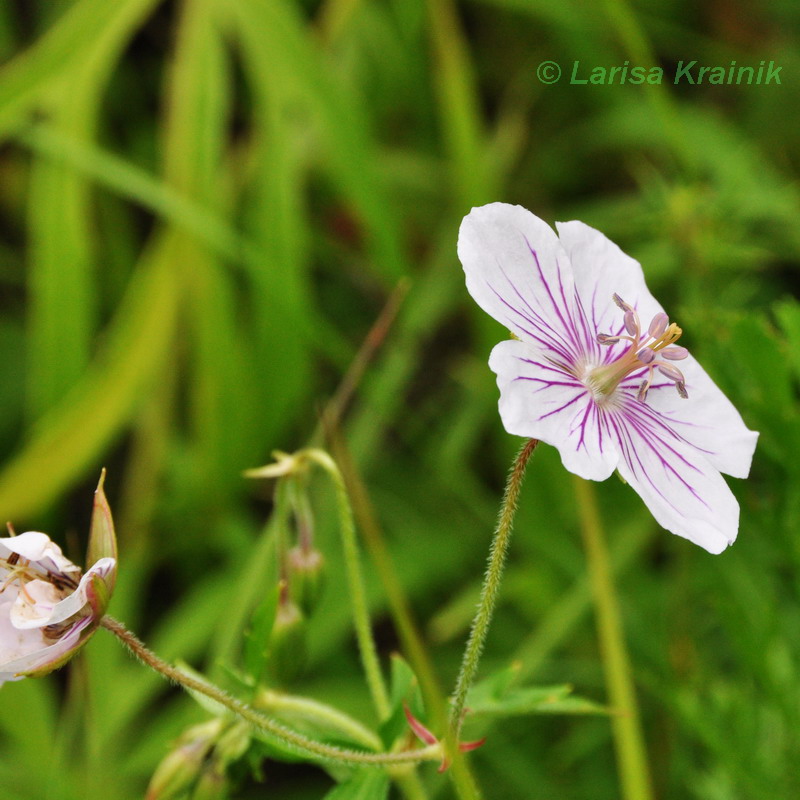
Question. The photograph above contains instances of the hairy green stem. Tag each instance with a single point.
(628, 740)
(355, 582)
(271, 701)
(464, 783)
(297, 741)
(491, 586)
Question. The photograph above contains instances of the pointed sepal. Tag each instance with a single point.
(102, 536)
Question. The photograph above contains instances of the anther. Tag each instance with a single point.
(658, 325)
(605, 338)
(674, 352)
(646, 355)
(631, 323)
(622, 304)
(673, 373)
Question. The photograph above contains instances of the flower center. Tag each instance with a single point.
(651, 349)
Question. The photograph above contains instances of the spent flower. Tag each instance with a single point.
(594, 369)
(48, 607)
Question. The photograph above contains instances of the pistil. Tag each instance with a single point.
(659, 340)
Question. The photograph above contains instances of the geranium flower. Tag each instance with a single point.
(594, 370)
(48, 607)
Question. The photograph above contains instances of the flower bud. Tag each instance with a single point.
(287, 645)
(212, 783)
(306, 576)
(102, 536)
(233, 743)
(179, 770)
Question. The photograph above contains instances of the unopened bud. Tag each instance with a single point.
(287, 647)
(306, 576)
(233, 744)
(102, 537)
(179, 769)
(212, 783)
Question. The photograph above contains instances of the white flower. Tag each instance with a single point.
(48, 607)
(593, 370)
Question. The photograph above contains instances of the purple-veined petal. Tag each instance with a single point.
(542, 401)
(33, 608)
(602, 270)
(39, 549)
(46, 658)
(14, 643)
(518, 272)
(25, 616)
(707, 420)
(683, 490)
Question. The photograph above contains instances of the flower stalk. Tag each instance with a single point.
(294, 465)
(355, 582)
(489, 592)
(291, 738)
(628, 739)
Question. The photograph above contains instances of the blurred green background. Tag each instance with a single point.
(204, 206)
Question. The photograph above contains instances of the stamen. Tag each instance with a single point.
(607, 338)
(673, 373)
(641, 395)
(646, 355)
(644, 349)
(658, 325)
(674, 353)
(622, 304)
(17, 572)
(24, 592)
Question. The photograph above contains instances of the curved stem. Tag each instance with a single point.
(287, 736)
(491, 586)
(271, 701)
(463, 781)
(628, 739)
(355, 581)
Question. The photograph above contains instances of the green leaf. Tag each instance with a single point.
(213, 707)
(256, 642)
(496, 696)
(366, 784)
(788, 314)
(69, 437)
(26, 79)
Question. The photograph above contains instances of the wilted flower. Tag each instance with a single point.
(594, 370)
(48, 607)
